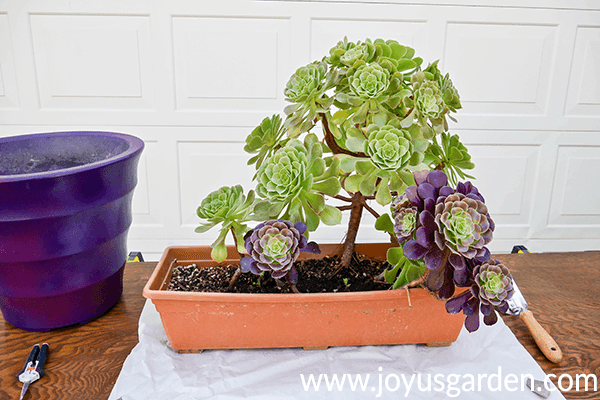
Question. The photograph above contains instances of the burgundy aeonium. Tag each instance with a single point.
(274, 246)
(491, 288)
(452, 227)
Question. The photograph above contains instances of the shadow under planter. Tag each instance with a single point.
(65, 210)
(195, 321)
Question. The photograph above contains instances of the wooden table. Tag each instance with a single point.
(563, 291)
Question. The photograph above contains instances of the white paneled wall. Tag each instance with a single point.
(193, 78)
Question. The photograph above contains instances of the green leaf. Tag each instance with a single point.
(347, 162)
(361, 114)
(330, 186)
(364, 167)
(405, 64)
(410, 272)
(356, 145)
(204, 228)
(331, 215)
(219, 251)
(383, 195)
(312, 219)
(395, 182)
(390, 274)
(266, 210)
(318, 167)
(352, 183)
(333, 170)
(407, 177)
(384, 223)
(380, 119)
(367, 186)
(316, 201)
(395, 255)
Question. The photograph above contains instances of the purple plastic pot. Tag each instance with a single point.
(65, 209)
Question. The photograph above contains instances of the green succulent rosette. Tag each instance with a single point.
(370, 81)
(449, 93)
(306, 91)
(452, 155)
(294, 181)
(463, 225)
(265, 139)
(229, 207)
(428, 100)
(389, 150)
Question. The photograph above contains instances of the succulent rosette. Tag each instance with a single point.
(294, 181)
(491, 288)
(265, 139)
(274, 246)
(306, 83)
(453, 227)
(405, 218)
(463, 225)
(306, 91)
(284, 174)
(428, 100)
(229, 207)
(389, 148)
(369, 81)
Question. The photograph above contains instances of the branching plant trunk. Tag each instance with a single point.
(353, 225)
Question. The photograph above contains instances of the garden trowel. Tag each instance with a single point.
(518, 306)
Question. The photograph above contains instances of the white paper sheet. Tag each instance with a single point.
(474, 367)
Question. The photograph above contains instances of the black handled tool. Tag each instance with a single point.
(32, 371)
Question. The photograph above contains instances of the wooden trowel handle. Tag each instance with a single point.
(544, 341)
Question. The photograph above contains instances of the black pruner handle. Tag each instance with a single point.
(42, 359)
(33, 354)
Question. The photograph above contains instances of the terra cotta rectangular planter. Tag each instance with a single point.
(195, 321)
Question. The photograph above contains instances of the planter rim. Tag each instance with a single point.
(293, 298)
(134, 143)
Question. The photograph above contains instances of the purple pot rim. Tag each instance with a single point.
(136, 145)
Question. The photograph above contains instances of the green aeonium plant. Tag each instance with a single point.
(367, 122)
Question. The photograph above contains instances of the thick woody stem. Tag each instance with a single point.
(238, 271)
(330, 140)
(353, 224)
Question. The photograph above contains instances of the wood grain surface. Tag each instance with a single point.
(83, 361)
(563, 293)
(562, 289)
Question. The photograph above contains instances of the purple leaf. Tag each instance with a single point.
(312, 247)
(246, 264)
(427, 220)
(300, 227)
(472, 322)
(486, 309)
(413, 250)
(426, 190)
(490, 319)
(446, 191)
(457, 261)
(433, 259)
(303, 242)
(421, 176)
(456, 304)
(471, 306)
(461, 277)
(293, 275)
(413, 196)
(435, 280)
(429, 205)
(503, 308)
(437, 178)
(424, 237)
